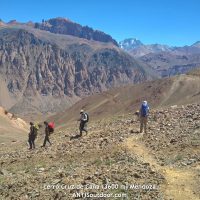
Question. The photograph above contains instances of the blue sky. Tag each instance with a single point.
(172, 22)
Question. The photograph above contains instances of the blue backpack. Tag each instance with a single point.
(144, 110)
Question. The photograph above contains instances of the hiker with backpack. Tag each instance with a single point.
(32, 136)
(49, 128)
(144, 111)
(84, 119)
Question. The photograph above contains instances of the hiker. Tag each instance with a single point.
(32, 136)
(47, 134)
(84, 118)
(144, 111)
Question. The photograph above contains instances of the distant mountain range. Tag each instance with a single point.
(50, 65)
(166, 60)
(138, 49)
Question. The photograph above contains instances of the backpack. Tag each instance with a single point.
(51, 126)
(87, 116)
(36, 127)
(144, 110)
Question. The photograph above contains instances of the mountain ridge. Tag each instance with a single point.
(65, 26)
(166, 60)
(38, 67)
(138, 48)
(177, 90)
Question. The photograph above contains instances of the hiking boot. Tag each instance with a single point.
(78, 136)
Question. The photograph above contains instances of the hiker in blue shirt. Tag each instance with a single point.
(144, 111)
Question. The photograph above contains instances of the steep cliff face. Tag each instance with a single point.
(67, 27)
(37, 69)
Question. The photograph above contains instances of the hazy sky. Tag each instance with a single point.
(172, 22)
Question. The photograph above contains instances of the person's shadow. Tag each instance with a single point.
(75, 137)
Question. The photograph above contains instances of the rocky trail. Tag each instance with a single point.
(180, 183)
(113, 152)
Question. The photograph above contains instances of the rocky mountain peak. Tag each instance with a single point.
(67, 27)
(13, 22)
(61, 19)
(130, 43)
